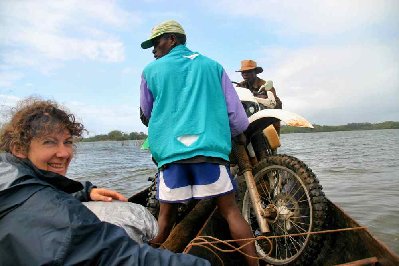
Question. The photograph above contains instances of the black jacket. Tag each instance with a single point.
(42, 223)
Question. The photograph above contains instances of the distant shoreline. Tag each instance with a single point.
(347, 127)
(117, 135)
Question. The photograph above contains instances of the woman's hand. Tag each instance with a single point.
(103, 194)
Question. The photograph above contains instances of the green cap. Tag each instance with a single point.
(169, 26)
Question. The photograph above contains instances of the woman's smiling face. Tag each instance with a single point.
(52, 152)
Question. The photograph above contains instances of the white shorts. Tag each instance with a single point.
(183, 181)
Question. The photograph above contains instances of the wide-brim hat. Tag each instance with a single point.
(169, 26)
(250, 65)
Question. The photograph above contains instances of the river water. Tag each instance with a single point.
(359, 171)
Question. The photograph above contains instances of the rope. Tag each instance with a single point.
(210, 242)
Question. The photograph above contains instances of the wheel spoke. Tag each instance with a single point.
(284, 182)
(267, 191)
(298, 217)
(304, 194)
(275, 185)
(289, 242)
(291, 238)
(297, 208)
(292, 195)
(305, 200)
(286, 250)
(298, 228)
(308, 225)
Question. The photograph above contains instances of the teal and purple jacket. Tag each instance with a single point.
(192, 107)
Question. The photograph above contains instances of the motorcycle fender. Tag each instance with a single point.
(289, 118)
(266, 117)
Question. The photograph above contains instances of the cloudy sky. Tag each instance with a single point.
(333, 62)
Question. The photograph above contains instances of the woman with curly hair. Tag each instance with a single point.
(44, 133)
(42, 218)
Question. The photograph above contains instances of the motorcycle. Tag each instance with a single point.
(283, 199)
(280, 196)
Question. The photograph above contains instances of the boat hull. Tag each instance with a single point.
(339, 247)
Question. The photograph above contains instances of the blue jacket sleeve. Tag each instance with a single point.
(53, 228)
(84, 194)
(106, 244)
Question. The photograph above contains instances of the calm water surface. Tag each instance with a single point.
(359, 171)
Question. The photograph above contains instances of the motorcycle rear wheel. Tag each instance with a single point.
(288, 186)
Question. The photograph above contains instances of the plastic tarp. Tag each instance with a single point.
(137, 221)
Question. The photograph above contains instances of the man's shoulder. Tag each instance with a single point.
(242, 84)
(210, 61)
(259, 82)
(155, 67)
(165, 62)
(151, 65)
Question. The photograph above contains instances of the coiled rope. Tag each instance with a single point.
(210, 242)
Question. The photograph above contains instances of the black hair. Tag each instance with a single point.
(34, 117)
(180, 38)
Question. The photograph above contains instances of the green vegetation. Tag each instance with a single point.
(347, 127)
(120, 136)
(117, 135)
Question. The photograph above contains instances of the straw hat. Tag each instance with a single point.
(169, 26)
(249, 65)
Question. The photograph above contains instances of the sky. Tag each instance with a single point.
(333, 62)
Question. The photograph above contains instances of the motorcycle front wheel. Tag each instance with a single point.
(291, 191)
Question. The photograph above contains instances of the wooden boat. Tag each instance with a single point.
(351, 247)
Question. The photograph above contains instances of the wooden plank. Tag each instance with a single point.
(367, 261)
(188, 228)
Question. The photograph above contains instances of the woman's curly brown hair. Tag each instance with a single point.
(34, 117)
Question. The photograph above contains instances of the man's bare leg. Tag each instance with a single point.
(166, 220)
(239, 228)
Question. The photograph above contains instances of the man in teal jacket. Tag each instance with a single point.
(192, 112)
